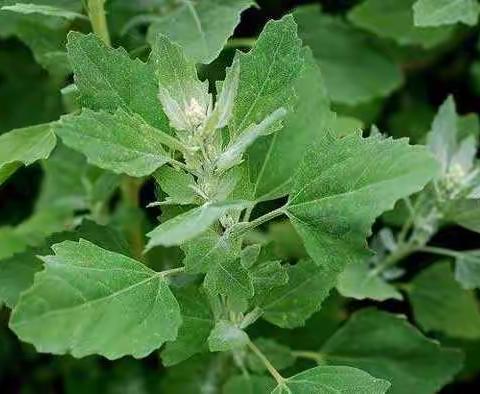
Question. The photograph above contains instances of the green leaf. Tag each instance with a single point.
(290, 305)
(467, 269)
(195, 329)
(108, 79)
(93, 303)
(46, 10)
(360, 282)
(273, 159)
(226, 336)
(333, 380)
(441, 305)
(466, 213)
(280, 356)
(445, 12)
(233, 153)
(10, 242)
(228, 277)
(248, 384)
(265, 276)
(394, 19)
(354, 70)
(267, 74)
(201, 28)
(184, 98)
(118, 142)
(388, 347)
(177, 184)
(338, 194)
(17, 272)
(442, 139)
(24, 147)
(190, 224)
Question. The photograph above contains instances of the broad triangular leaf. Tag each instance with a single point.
(390, 348)
(338, 194)
(93, 302)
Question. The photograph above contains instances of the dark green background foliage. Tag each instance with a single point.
(409, 314)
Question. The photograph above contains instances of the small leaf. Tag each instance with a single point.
(201, 28)
(360, 282)
(93, 303)
(333, 380)
(290, 305)
(226, 336)
(190, 224)
(24, 147)
(177, 184)
(441, 305)
(445, 12)
(390, 348)
(232, 155)
(117, 142)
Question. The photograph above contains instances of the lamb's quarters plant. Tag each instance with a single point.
(217, 209)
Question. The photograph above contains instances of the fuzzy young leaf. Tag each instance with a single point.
(184, 98)
(108, 79)
(190, 224)
(92, 303)
(226, 336)
(201, 28)
(390, 348)
(445, 12)
(338, 194)
(329, 379)
(441, 305)
(118, 142)
(24, 147)
(267, 74)
(355, 71)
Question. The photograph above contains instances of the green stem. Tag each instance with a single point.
(130, 188)
(440, 251)
(173, 271)
(279, 378)
(399, 254)
(96, 13)
(241, 43)
(315, 356)
(241, 228)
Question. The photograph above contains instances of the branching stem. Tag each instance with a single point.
(279, 378)
(96, 13)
